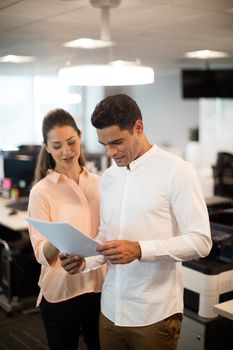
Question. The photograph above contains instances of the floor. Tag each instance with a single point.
(24, 331)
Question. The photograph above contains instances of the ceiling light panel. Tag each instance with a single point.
(16, 59)
(107, 75)
(206, 54)
(88, 43)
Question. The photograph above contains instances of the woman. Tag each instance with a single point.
(65, 191)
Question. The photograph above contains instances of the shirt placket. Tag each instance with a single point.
(119, 306)
(85, 204)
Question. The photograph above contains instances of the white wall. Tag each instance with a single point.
(24, 101)
(216, 129)
(93, 95)
(167, 116)
(16, 111)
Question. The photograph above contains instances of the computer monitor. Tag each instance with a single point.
(19, 168)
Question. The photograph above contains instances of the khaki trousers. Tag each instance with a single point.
(162, 335)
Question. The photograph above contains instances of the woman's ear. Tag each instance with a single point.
(44, 145)
(80, 136)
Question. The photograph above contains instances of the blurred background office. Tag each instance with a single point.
(39, 38)
(175, 58)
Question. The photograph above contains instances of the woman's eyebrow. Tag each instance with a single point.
(58, 142)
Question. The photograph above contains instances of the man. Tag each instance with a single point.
(153, 217)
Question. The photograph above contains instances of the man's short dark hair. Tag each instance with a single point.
(120, 110)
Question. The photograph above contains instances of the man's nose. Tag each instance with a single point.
(111, 150)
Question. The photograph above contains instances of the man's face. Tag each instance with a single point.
(121, 145)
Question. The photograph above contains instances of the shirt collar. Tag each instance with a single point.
(54, 176)
(137, 162)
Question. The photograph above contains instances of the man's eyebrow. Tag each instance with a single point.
(111, 142)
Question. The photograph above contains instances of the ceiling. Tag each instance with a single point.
(158, 32)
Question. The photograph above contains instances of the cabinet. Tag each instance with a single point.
(198, 333)
(192, 335)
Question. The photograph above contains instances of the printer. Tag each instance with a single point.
(223, 175)
(209, 281)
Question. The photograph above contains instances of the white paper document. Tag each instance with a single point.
(66, 237)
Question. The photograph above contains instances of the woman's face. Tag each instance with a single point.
(64, 146)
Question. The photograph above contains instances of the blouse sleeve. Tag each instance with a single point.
(38, 208)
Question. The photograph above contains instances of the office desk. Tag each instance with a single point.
(14, 222)
(216, 204)
(218, 200)
(225, 309)
(19, 269)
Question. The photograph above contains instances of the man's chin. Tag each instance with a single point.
(120, 162)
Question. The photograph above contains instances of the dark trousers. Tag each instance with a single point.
(162, 335)
(64, 320)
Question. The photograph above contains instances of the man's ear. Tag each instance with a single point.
(138, 126)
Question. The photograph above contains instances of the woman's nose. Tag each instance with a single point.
(65, 149)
